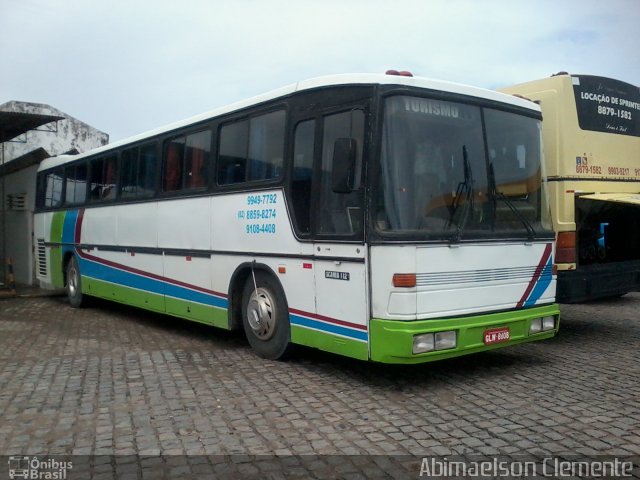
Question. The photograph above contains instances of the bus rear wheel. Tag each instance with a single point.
(265, 317)
(74, 284)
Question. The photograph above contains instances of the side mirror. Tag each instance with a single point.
(344, 165)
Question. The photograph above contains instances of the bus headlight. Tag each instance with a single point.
(543, 324)
(445, 340)
(536, 326)
(428, 342)
(548, 323)
(423, 343)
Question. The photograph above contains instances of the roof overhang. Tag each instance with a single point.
(630, 198)
(13, 124)
(27, 160)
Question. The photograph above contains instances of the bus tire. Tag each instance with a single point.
(265, 316)
(74, 284)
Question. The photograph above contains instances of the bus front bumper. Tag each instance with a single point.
(392, 341)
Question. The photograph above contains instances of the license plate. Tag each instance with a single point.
(496, 335)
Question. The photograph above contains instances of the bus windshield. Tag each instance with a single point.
(445, 177)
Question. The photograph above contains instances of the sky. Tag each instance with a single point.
(129, 66)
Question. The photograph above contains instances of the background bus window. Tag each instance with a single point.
(301, 180)
(104, 173)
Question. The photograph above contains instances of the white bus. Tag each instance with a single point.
(591, 132)
(383, 217)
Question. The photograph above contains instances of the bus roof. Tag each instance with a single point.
(314, 83)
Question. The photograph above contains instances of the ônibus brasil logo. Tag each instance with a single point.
(33, 468)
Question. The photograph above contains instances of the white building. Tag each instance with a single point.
(29, 133)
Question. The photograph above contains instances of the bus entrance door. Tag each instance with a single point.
(341, 298)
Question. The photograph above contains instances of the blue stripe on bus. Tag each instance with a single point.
(117, 276)
(69, 226)
(328, 328)
(541, 285)
(184, 293)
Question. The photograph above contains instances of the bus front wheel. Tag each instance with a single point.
(265, 317)
(74, 284)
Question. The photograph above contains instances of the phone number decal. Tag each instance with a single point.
(614, 112)
(263, 199)
(263, 208)
(262, 214)
(257, 228)
(583, 166)
(593, 169)
(624, 171)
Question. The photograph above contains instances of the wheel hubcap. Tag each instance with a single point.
(73, 280)
(261, 313)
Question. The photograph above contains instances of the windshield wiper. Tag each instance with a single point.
(464, 188)
(495, 194)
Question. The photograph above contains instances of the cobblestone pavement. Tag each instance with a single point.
(113, 380)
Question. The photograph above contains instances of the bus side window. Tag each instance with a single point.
(196, 162)
(147, 169)
(266, 146)
(138, 168)
(53, 193)
(173, 158)
(104, 174)
(129, 173)
(341, 213)
(301, 179)
(252, 150)
(234, 139)
(76, 184)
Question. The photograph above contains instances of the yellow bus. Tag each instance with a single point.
(591, 130)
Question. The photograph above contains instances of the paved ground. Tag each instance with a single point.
(115, 380)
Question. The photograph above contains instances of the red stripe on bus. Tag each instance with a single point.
(78, 229)
(322, 318)
(142, 273)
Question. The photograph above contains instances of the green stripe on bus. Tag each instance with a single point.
(218, 317)
(57, 223)
(156, 302)
(118, 293)
(55, 254)
(392, 340)
(330, 343)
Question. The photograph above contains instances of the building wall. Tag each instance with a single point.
(18, 224)
(16, 235)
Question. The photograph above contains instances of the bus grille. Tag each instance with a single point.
(477, 276)
(42, 258)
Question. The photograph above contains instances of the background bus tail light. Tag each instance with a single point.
(405, 280)
(566, 247)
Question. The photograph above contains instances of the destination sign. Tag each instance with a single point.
(449, 111)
